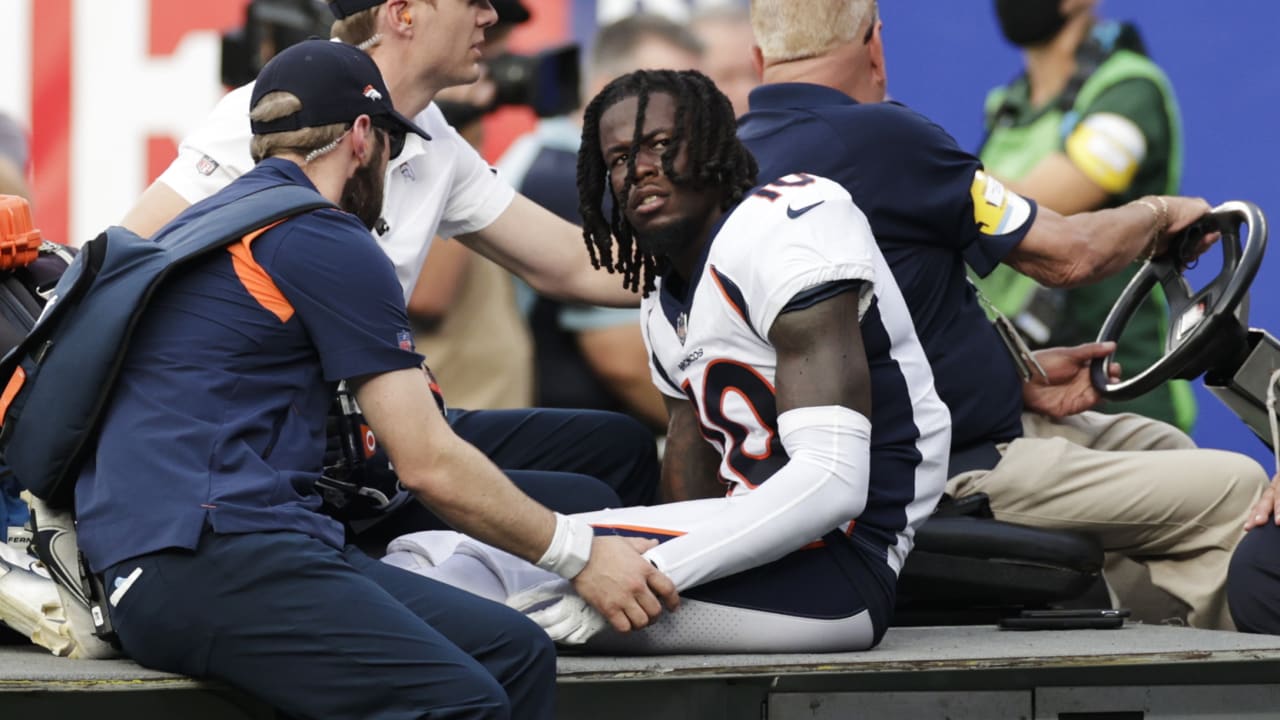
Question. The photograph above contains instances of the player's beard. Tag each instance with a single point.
(670, 239)
(362, 194)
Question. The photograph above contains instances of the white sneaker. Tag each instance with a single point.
(18, 538)
(19, 557)
(55, 542)
(78, 619)
(29, 603)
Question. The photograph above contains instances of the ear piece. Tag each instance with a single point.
(405, 17)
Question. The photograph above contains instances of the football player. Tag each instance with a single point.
(770, 316)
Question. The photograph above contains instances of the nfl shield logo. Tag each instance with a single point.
(206, 166)
(405, 339)
(682, 326)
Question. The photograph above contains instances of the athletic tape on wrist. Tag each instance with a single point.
(570, 547)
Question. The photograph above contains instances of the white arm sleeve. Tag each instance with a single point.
(823, 485)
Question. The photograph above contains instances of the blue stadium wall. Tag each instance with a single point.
(944, 54)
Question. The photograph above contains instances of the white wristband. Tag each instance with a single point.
(570, 547)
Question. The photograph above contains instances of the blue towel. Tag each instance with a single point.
(13, 511)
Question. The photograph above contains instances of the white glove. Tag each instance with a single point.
(558, 610)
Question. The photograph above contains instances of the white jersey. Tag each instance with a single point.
(788, 245)
(438, 187)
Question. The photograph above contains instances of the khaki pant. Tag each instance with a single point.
(1141, 487)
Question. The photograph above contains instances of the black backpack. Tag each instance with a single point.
(23, 290)
(59, 378)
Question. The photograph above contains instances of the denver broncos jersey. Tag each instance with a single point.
(789, 245)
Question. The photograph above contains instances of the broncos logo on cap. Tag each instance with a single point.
(372, 93)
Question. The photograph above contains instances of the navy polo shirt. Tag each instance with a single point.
(218, 417)
(913, 183)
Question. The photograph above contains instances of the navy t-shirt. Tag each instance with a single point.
(914, 185)
(218, 417)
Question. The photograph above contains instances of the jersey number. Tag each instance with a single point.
(726, 384)
(773, 190)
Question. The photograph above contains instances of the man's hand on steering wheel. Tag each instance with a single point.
(1065, 388)
(1183, 212)
(1205, 331)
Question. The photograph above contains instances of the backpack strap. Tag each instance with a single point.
(241, 217)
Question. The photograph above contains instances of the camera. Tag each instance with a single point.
(269, 27)
(546, 82)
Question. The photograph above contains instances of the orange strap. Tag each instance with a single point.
(16, 381)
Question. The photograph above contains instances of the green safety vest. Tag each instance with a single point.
(1011, 151)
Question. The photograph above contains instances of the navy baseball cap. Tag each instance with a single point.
(344, 8)
(511, 12)
(336, 83)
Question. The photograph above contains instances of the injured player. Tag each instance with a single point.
(771, 319)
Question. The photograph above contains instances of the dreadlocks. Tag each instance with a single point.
(704, 122)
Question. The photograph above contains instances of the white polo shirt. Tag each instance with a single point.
(438, 187)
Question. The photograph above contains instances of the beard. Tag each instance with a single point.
(670, 239)
(363, 192)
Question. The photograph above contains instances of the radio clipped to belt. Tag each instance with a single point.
(1023, 358)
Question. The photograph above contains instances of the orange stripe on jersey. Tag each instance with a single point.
(640, 528)
(742, 312)
(255, 279)
(820, 543)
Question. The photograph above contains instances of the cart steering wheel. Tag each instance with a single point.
(1198, 320)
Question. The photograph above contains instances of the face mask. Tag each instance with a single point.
(1027, 23)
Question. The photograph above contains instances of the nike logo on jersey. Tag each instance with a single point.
(794, 213)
